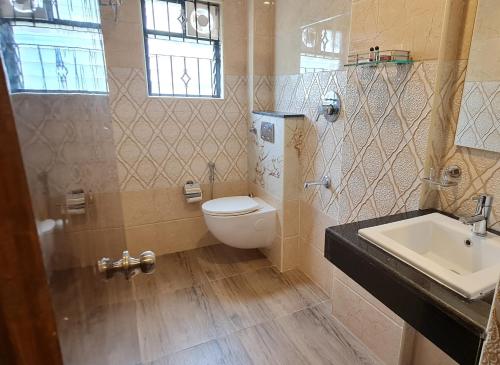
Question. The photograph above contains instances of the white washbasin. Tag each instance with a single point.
(436, 245)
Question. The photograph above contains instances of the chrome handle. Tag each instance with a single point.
(128, 265)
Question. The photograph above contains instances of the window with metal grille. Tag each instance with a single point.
(183, 47)
(53, 46)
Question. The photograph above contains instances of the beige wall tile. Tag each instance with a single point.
(297, 20)
(95, 244)
(484, 60)
(124, 40)
(139, 207)
(274, 253)
(378, 332)
(290, 253)
(291, 221)
(312, 263)
(426, 353)
(413, 26)
(313, 224)
(141, 238)
(358, 289)
(171, 236)
(235, 35)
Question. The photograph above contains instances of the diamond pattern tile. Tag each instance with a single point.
(164, 141)
(479, 119)
(370, 152)
(66, 142)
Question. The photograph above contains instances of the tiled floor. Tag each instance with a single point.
(213, 305)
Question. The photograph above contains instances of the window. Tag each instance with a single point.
(53, 46)
(183, 48)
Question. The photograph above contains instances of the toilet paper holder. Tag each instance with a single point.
(192, 191)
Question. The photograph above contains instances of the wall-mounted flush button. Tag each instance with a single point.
(267, 132)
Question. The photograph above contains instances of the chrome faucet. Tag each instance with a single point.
(479, 221)
(325, 181)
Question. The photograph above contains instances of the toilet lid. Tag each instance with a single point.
(232, 205)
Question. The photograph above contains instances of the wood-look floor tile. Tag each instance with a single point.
(265, 294)
(268, 344)
(84, 289)
(285, 292)
(173, 271)
(241, 303)
(171, 322)
(223, 351)
(323, 340)
(221, 261)
(105, 335)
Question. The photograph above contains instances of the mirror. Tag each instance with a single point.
(479, 119)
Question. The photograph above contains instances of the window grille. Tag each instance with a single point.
(53, 46)
(183, 47)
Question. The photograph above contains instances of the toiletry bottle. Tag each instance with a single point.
(371, 57)
(377, 54)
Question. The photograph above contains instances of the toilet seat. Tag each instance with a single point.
(230, 206)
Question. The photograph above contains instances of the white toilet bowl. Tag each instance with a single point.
(241, 221)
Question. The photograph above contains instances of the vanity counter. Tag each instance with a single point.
(453, 323)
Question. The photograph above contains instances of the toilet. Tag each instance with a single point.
(241, 221)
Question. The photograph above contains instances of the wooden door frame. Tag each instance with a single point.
(27, 323)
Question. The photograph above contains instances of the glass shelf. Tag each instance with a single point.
(374, 58)
(375, 63)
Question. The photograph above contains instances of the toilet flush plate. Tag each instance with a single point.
(267, 132)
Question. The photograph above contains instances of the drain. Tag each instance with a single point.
(456, 272)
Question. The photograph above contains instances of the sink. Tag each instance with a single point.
(444, 249)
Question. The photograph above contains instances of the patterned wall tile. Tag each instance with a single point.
(479, 120)
(265, 159)
(481, 169)
(491, 348)
(163, 142)
(263, 94)
(375, 152)
(383, 160)
(67, 142)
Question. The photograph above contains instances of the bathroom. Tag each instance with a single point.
(222, 199)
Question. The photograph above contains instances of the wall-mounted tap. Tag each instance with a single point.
(325, 181)
(479, 221)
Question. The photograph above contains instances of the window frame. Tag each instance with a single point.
(75, 25)
(216, 43)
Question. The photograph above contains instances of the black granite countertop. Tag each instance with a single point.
(279, 114)
(472, 314)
